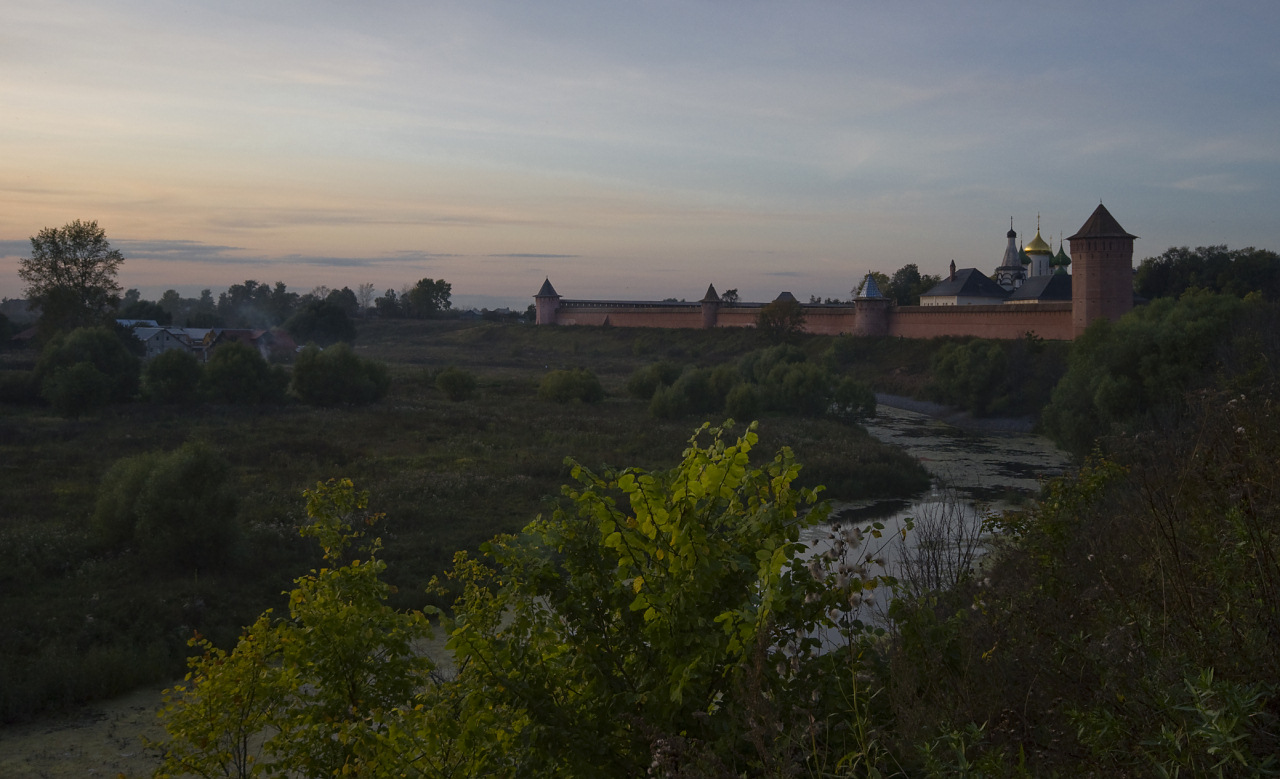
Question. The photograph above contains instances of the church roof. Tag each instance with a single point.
(1038, 246)
(1060, 260)
(547, 290)
(784, 297)
(1051, 288)
(968, 283)
(1101, 224)
(712, 296)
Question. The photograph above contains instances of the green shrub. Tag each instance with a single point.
(338, 377)
(699, 394)
(179, 509)
(171, 377)
(798, 388)
(238, 373)
(645, 381)
(186, 511)
(853, 400)
(743, 402)
(115, 516)
(100, 348)
(77, 390)
(668, 403)
(456, 384)
(578, 384)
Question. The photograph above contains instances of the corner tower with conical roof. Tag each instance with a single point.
(546, 302)
(1102, 264)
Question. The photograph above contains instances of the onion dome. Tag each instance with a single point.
(1023, 257)
(1038, 246)
(1060, 260)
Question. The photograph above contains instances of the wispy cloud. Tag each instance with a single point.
(15, 248)
(1215, 184)
(538, 256)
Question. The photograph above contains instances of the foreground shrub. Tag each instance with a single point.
(338, 377)
(456, 384)
(666, 618)
(238, 373)
(171, 377)
(578, 384)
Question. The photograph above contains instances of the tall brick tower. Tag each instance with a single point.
(1102, 263)
(545, 304)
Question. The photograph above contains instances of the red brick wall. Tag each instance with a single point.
(1047, 320)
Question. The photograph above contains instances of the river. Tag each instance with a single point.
(983, 468)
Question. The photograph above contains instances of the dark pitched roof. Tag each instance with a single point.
(785, 296)
(547, 290)
(1054, 287)
(712, 296)
(1101, 225)
(969, 282)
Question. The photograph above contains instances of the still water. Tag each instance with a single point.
(975, 474)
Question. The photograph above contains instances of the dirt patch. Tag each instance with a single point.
(103, 739)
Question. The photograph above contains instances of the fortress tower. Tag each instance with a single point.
(1102, 278)
(545, 304)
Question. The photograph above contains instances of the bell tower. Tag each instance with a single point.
(1102, 260)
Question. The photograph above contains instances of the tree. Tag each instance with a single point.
(322, 321)
(782, 319)
(427, 298)
(238, 373)
(87, 368)
(729, 296)
(1216, 268)
(337, 377)
(171, 377)
(312, 693)
(365, 294)
(71, 275)
(388, 306)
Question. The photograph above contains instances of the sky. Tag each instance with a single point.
(637, 150)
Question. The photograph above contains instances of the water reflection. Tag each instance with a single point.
(974, 474)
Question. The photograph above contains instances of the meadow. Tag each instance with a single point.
(84, 621)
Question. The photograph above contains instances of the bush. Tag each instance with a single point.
(115, 517)
(101, 349)
(77, 390)
(186, 511)
(179, 509)
(337, 377)
(456, 384)
(853, 400)
(668, 403)
(743, 402)
(171, 377)
(645, 381)
(578, 384)
(798, 388)
(238, 373)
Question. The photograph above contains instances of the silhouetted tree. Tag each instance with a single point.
(71, 276)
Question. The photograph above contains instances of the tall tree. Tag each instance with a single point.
(71, 275)
(427, 298)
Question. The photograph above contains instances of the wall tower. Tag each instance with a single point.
(545, 304)
(1102, 278)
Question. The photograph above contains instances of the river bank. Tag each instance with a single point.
(957, 417)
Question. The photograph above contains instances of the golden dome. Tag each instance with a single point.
(1038, 246)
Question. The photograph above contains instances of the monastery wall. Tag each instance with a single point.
(1046, 320)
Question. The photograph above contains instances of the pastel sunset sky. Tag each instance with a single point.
(626, 150)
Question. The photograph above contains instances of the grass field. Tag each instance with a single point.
(83, 623)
